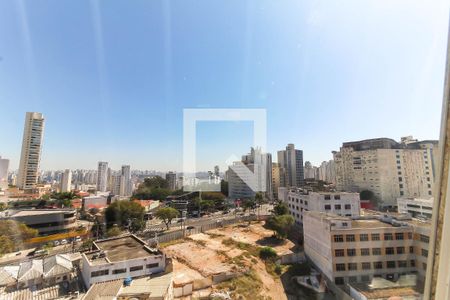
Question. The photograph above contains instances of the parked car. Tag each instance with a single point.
(41, 252)
(77, 239)
(190, 227)
(63, 242)
(56, 243)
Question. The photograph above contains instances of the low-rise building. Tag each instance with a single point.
(120, 258)
(300, 200)
(351, 250)
(46, 221)
(416, 207)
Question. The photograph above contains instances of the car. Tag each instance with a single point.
(41, 252)
(31, 253)
(56, 243)
(190, 227)
(77, 239)
(63, 242)
(18, 253)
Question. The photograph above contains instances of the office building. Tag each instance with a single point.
(275, 179)
(125, 181)
(387, 168)
(171, 179)
(301, 200)
(351, 250)
(416, 207)
(102, 176)
(30, 156)
(66, 181)
(120, 258)
(4, 165)
(291, 161)
(255, 175)
(46, 221)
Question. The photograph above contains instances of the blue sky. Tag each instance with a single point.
(112, 77)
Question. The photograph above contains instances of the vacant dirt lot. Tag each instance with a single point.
(230, 249)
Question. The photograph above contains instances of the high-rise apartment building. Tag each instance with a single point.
(260, 176)
(125, 181)
(309, 170)
(30, 156)
(387, 168)
(4, 165)
(171, 178)
(291, 161)
(66, 181)
(275, 179)
(102, 176)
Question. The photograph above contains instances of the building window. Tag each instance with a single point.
(337, 206)
(339, 280)
(400, 185)
(411, 249)
(149, 266)
(424, 266)
(365, 278)
(401, 193)
(402, 264)
(353, 279)
(378, 265)
(136, 268)
(400, 179)
(306, 202)
(327, 207)
(339, 252)
(350, 237)
(413, 263)
(99, 273)
(365, 251)
(399, 236)
(340, 267)
(400, 250)
(351, 252)
(424, 239)
(410, 236)
(390, 264)
(348, 206)
(339, 238)
(389, 251)
(388, 237)
(364, 237)
(327, 197)
(337, 197)
(375, 236)
(119, 271)
(424, 252)
(376, 251)
(352, 266)
(365, 265)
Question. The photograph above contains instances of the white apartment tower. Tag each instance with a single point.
(102, 176)
(291, 161)
(387, 168)
(4, 164)
(31, 150)
(66, 181)
(125, 181)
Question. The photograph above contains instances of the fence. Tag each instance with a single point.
(182, 233)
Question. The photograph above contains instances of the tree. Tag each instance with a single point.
(13, 234)
(125, 214)
(3, 206)
(280, 209)
(152, 188)
(167, 214)
(224, 187)
(248, 203)
(280, 225)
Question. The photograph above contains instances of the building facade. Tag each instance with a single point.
(66, 181)
(30, 156)
(171, 178)
(120, 258)
(299, 201)
(254, 168)
(125, 181)
(102, 176)
(4, 165)
(291, 160)
(275, 179)
(416, 207)
(349, 250)
(387, 168)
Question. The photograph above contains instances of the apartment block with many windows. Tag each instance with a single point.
(350, 250)
(301, 200)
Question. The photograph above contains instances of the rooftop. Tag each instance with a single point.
(120, 249)
(34, 212)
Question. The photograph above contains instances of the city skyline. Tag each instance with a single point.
(126, 84)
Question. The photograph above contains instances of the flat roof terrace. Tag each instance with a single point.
(125, 248)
